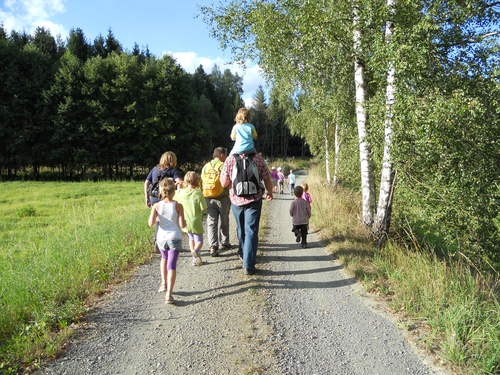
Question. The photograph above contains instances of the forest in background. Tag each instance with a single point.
(81, 110)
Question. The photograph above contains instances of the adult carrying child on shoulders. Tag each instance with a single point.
(243, 174)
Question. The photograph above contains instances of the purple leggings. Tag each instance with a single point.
(171, 254)
(171, 257)
(197, 238)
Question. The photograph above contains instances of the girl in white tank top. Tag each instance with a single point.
(169, 216)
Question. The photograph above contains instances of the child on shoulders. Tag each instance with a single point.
(243, 133)
(300, 211)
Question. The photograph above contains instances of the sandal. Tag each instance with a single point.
(162, 288)
(169, 300)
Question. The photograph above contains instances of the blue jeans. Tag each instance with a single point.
(247, 219)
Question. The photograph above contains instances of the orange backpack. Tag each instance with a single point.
(212, 187)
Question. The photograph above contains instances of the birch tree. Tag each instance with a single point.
(387, 176)
(367, 173)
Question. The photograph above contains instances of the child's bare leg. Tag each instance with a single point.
(163, 270)
(198, 246)
(172, 274)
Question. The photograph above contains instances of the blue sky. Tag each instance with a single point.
(165, 26)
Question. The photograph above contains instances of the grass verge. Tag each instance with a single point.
(61, 244)
(449, 307)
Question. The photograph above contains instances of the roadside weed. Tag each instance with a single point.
(455, 302)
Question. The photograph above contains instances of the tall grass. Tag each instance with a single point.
(59, 244)
(454, 306)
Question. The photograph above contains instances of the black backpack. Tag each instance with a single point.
(154, 188)
(245, 176)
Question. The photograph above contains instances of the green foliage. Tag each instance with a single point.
(448, 156)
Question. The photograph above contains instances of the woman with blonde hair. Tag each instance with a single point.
(166, 168)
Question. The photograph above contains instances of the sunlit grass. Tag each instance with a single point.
(455, 303)
(59, 244)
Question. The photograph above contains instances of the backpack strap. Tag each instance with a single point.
(217, 164)
(161, 174)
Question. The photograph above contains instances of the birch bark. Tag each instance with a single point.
(367, 173)
(337, 149)
(382, 221)
(327, 155)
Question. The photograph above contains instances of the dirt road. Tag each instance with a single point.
(300, 314)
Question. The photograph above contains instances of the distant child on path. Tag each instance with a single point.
(170, 218)
(305, 195)
(194, 204)
(300, 211)
(291, 182)
(243, 134)
(274, 179)
(281, 180)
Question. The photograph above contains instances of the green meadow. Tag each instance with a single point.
(61, 243)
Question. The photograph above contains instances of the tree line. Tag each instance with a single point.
(397, 96)
(81, 109)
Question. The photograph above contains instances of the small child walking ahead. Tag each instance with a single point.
(170, 218)
(305, 195)
(281, 180)
(243, 134)
(194, 204)
(300, 211)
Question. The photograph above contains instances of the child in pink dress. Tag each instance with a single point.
(281, 180)
(305, 195)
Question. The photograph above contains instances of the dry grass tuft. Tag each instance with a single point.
(335, 214)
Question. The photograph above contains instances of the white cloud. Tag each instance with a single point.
(249, 103)
(252, 78)
(29, 14)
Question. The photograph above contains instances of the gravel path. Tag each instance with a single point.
(301, 314)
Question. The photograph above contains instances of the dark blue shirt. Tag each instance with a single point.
(153, 176)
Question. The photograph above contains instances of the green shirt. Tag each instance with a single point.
(194, 204)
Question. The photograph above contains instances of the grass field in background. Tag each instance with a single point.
(448, 306)
(60, 243)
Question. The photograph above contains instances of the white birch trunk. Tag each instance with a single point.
(382, 221)
(367, 174)
(337, 149)
(327, 156)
